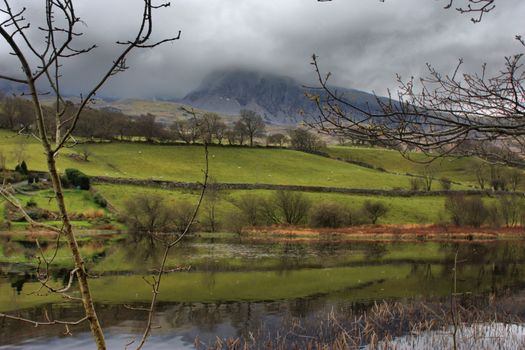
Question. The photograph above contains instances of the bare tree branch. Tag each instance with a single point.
(155, 285)
(59, 33)
(438, 114)
(44, 323)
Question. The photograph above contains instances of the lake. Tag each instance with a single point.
(233, 286)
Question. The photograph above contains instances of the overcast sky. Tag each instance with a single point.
(364, 43)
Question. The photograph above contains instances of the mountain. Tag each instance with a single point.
(278, 99)
(10, 88)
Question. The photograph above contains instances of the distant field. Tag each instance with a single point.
(227, 164)
(244, 164)
(455, 168)
(402, 210)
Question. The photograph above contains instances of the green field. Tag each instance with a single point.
(459, 169)
(244, 165)
(226, 164)
(401, 209)
(77, 201)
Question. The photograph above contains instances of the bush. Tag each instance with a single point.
(31, 203)
(233, 221)
(445, 183)
(148, 214)
(292, 206)
(78, 179)
(64, 181)
(511, 209)
(92, 213)
(356, 217)
(22, 168)
(99, 200)
(306, 141)
(375, 210)
(327, 214)
(252, 210)
(181, 215)
(465, 211)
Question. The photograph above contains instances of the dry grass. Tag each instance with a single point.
(391, 326)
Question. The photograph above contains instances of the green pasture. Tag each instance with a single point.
(459, 169)
(402, 210)
(77, 201)
(186, 163)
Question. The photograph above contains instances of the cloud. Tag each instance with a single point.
(363, 42)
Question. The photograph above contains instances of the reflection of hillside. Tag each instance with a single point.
(219, 297)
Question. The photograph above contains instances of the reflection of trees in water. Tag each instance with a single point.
(144, 252)
(328, 246)
(208, 280)
(490, 252)
(375, 251)
(17, 281)
(291, 255)
(23, 248)
(140, 250)
(422, 272)
(497, 265)
(303, 307)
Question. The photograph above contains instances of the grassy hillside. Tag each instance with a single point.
(455, 168)
(227, 164)
(458, 169)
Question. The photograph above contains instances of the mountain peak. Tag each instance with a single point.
(279, 99)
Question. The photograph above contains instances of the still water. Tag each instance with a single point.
(247, 287)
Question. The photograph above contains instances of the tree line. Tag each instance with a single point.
(17, 114)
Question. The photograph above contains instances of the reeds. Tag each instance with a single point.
(389, 326)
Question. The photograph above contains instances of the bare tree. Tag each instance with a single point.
(240, 132)
(231, 136)
(210, 126)
(482, 173)
(515, 177)
(20, 150)
(41, 59)
(186, 130)
(253, 124)
(84, 152)
(147, 127)
(277, 139)
(292, 206)
(428, 176)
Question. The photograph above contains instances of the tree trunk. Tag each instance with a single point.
(85, 292)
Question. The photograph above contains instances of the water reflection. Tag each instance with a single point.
(237, 287)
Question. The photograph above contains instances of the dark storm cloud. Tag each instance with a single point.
(363, 42)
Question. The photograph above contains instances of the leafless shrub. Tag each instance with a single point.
(292, 206)
(327, 214)
(466, 211)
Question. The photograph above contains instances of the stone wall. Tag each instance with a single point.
(242, 186)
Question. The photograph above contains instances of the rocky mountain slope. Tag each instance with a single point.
(278, 99)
